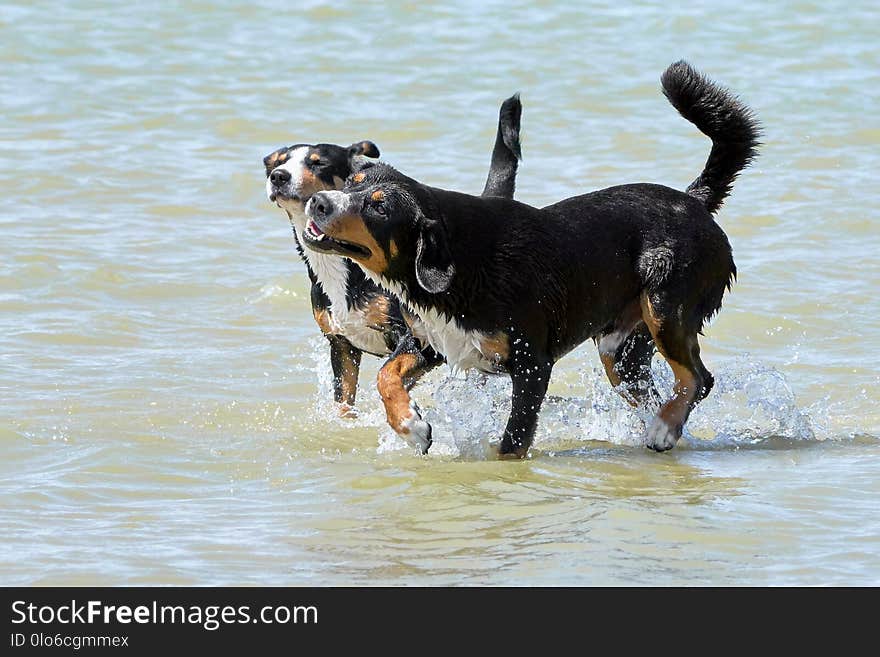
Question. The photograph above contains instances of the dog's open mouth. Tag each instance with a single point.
(317, 240)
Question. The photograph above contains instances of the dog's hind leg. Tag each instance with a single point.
(345, 359)
(678, 344)
(398, 375)
(626, 351)
(633, 361)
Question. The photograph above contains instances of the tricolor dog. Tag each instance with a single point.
(502, 286)
(353, 313)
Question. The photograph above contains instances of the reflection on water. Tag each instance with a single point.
(164, 413)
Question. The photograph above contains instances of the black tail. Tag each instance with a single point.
(721, 116)
(506, 154)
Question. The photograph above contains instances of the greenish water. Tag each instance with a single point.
(163, 388)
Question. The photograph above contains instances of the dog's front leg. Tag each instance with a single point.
(345, 359)
(403, 368)
(530, 379)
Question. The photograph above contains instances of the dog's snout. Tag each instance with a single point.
(322, 205)
(279, 177)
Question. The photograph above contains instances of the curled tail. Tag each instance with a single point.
(506, 154)
(721, 116)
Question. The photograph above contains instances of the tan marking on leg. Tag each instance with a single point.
(608, 363)
(649, 316)
(394, 394)
(349, 383)
(609, 344)
(496, 347)
(675, 411)
(323, 318)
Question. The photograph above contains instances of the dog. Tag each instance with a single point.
(354, 314)
(501, 286)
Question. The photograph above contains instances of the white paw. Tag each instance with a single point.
(660, 436)
(346, 411)
(415, 431)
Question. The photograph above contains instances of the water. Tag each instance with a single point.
(163, 391)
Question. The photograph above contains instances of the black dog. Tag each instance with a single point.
(353, 313)
(502, 286)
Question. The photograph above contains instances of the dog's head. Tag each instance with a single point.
(295, 173)
(387, 223)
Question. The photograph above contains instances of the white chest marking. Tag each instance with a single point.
(460, 347)
(332, 274)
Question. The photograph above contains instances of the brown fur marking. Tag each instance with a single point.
(376, 312)
(608, 344)
(322, 317)
(311, 184)
(351, 228)
(496, 347)
(608, 363)
(675, 411)
(359, 177)
(650, 317)
(309, 179)
(393, 391)
(349, 379)
(378, 195)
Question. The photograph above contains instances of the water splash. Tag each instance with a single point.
(752, 404)
(369, 412)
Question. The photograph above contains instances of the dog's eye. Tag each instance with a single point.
(379, 207)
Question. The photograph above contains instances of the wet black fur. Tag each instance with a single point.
(552, 278)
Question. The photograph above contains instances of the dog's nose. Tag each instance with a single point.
(322, 205)
(280, 177)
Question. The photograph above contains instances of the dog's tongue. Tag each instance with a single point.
(313, 227)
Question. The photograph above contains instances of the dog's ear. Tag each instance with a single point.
(276, 159)
(367, 148)
(434, 268)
